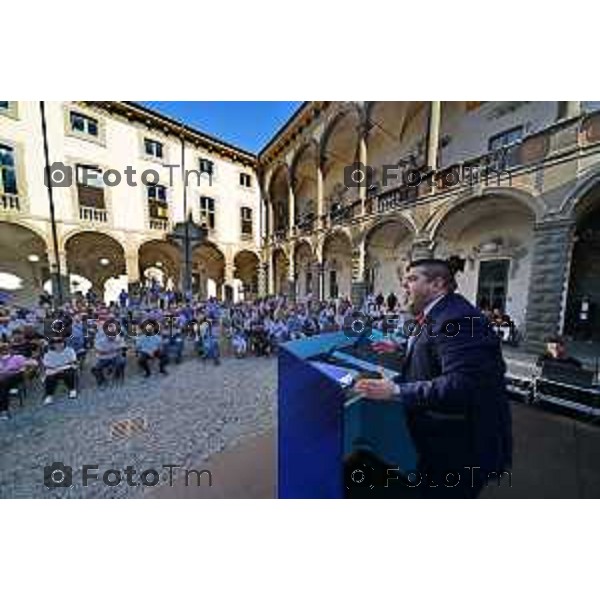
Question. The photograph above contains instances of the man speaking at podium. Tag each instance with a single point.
(452, 388)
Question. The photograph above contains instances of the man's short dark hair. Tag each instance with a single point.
(436, 268)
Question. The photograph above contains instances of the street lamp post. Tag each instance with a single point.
(57, 290)
(186, 235)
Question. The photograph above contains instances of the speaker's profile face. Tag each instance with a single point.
(418, 289)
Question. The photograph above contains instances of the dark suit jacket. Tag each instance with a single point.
(453, 388)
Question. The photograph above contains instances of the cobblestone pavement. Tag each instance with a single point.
(182, 418)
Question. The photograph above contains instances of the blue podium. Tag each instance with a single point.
(320, 419)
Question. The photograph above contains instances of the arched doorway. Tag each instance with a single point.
(494, 236)
(208, 271)
(100, 259)
(160, 259)
(387, 249)
(279, 198)
(246, 274)
(306, 271)
(281, 268)
(337, 258)
(583, 298)
(23, 264)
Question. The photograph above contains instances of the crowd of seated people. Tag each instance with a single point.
(156, 328)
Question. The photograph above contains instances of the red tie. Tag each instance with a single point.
(420, 318)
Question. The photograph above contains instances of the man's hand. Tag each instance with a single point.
(385, 346)
(376, 389)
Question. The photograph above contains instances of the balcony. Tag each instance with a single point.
(569, 138)
(158, 224)
(10, 203)
(93, 215)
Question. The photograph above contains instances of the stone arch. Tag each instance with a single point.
(24, 259)
(338, 229)
(163, 255)
(575, 199)
(397, 134)
(387, 247)
(306, 269)
(274, 170)
(278, 196)
(337, 264)
(584, 271)
(310, 145)
(343, 110)
(303, 177)
(533, 203)
(280, 263)
(98, 257)
(339, 148)
(494, 236)
(246, 264)
(208, 269)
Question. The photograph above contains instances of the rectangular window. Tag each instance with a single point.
(90, 189)
(89, 175)
(153, 148)
(8, 174)
(492, 287)
(207, 166)
(83, 124)
(506, 138)
(157, 193)
(207, 212)
(245, 180)
(157, 202)
(4, 104)
(246, 221)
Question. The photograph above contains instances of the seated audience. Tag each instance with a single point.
(60, 364)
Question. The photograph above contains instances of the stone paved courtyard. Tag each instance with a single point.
(196, 411)
(202, 416)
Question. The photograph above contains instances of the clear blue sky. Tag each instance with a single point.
(249, 125)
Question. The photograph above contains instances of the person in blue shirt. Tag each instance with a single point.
(150, 347)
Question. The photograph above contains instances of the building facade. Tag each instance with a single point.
(118, 194)
(336, 204)
(510, 189)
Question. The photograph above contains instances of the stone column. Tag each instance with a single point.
(271, 219)
(262, 279)
(321, 280)
(362, 158)
(229, 271)
(271, 271)
(291, 275)
(132, 268)
(320, 207)
(291, 209)
(359, 285)
(552, 243)
(433, 133)
(65, 280)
